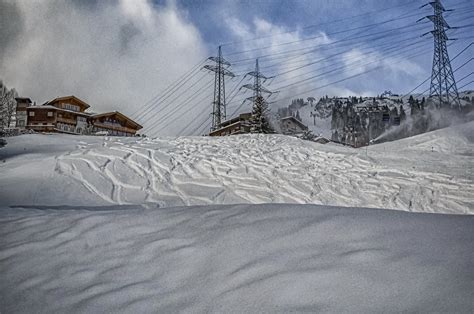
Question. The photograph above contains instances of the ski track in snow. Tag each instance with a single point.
(403, 175)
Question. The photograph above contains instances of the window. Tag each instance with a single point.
(70, 107)
(50, 113)
(31, 113)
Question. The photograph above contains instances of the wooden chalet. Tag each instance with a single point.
(291, 126)
(62, 114)
(68, 115)
(237, 125)
(114, 123)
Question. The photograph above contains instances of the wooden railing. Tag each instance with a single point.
(114, 127)
(66, 120)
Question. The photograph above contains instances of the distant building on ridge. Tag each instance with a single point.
(68, 115)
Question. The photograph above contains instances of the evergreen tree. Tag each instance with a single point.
(413, 106)
(259, 122)
(298, 115)
(403, 115)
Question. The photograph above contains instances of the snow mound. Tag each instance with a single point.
(427, 173)
(244, 258)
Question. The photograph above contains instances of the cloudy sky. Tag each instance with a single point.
(123, 54)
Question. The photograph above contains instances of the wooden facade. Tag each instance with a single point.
(237, 125)
(115, 123)
(67, 115)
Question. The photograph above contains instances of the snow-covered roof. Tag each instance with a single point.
(23, 99)
(121, 115)
(301, 124)
(72, 97)
(43, 107)
(49, 107)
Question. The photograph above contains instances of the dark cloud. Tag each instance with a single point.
(86, 4)
(126, 35)
(11, 25)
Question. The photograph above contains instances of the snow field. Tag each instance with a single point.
(234, 259)
(432, 172)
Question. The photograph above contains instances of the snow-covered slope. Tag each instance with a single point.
(432, 172)
(234, 259)
(318, 120)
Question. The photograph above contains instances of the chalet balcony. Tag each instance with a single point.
(66, 120)
(115, 127)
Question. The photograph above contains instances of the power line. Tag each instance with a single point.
(346, 78)
(429, 77)
(172, 85)
(179, 107)
(312, 49)
(403, 16)
(342, 68)
(170, 93)
(374, 51)
(345, 19)
(153, 115)
(332, 22)
(466, 84)
(327, 44)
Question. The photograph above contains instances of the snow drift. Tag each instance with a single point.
(432, 172)
(243, 258)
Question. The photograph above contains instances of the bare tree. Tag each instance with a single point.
(7, 105)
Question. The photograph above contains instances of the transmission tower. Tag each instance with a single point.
(443, 85)
(257, 87)
(220, 68)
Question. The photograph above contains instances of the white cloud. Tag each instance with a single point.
(358, 61)
(277, 40)
(116, 55)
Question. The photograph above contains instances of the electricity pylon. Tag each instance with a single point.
(221, 71)
(259, 122)
(443, 85)
(257, 87)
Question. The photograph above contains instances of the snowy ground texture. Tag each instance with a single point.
(119, 246)
(432, 172)
(241, 258)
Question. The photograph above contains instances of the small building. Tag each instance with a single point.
(68, 115)
(237, 125)
(291, 126)
(114, 123)
(21, 112)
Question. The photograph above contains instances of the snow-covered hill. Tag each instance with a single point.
(68, 253)
(427, 173)
(234, 259)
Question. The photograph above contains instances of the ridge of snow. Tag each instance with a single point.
(431, 172)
